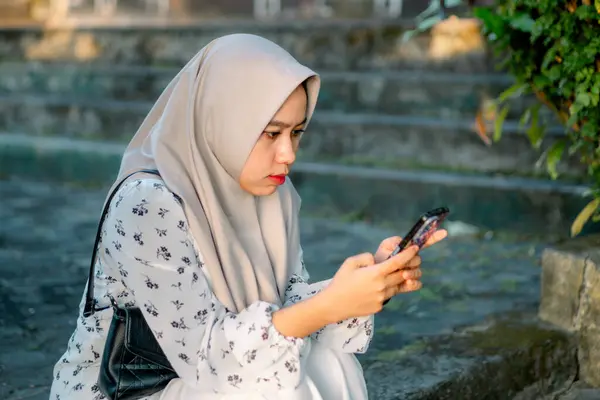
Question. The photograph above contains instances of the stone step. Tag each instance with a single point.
(404, 92)
(322, 44)
(374, 139)
(383, 196)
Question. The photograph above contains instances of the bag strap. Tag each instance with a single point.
(89, 307)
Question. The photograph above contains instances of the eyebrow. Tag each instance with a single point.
(282, 124)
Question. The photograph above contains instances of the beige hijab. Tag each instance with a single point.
(199, 134)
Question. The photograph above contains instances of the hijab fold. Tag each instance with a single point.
(199, 134)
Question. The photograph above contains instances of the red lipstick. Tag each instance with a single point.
(278, 179)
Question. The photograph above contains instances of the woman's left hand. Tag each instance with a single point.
(388, 245)
(412, 273)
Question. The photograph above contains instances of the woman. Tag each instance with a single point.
(210, 250)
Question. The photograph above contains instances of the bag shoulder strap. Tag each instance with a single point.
(90, 304)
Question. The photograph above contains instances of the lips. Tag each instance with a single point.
(278, 179)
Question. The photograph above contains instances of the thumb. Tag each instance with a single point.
(399, 260)
(359, 261)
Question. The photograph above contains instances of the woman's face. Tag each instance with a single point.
(275, 150)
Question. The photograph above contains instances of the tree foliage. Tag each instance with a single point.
(552, 49)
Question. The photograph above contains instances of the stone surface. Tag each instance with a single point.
(562, 278)
(571, 297)
(494, 360)
(336, 44)
(420, 350)
(382, 140)
(589, 353)
(393, 197)
(397, 92)
(589, 348)
(578, 390)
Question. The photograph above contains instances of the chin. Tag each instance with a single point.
(264, 191)
(267, 191)
(259, 190)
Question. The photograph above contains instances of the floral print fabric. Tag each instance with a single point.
(148, 259)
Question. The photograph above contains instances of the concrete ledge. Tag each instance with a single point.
(405, 92)
(495, 360)
(382, 140)
(571, 297)
(384, 196)
(343, 45)
(127, 24)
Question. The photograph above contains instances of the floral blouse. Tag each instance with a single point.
(148, 259)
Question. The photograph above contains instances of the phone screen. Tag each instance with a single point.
(426, 226)
(420, 233)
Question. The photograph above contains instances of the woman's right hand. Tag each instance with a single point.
(360, 286)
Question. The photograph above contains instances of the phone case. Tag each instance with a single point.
(423, 228)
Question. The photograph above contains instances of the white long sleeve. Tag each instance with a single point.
(210, 348)
(349, 336)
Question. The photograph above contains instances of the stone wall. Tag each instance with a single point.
(395, 123)
(339, 45)
(571, 298)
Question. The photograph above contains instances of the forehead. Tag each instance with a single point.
(293, 110)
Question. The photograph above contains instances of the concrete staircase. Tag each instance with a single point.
(393, 134)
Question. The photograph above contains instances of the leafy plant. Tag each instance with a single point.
(552, 48)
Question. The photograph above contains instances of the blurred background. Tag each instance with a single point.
(403, 125)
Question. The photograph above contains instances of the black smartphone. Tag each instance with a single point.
(422, 230)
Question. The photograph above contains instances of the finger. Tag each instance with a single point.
(412, 274)
(390, 243)
(398, 261)
(437, 236)
(392, 291)
(414, 262)
(394, 279)
(360, 260)
(409, 286)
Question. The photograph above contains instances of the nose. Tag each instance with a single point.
(286, 153)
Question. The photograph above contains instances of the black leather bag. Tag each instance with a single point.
(133, 364)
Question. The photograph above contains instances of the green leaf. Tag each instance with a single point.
(434, 8)
(573, 118)
(429, 22)
(541, 81)
(553, 156)
(584, 99)
(499, 122)
(554, 72)
(523, 22)
(421, 27)
(514, 91)
(407, 35)
(584, 216)
(589, 130)
(535, 132)
(524, 120)
(493, 22)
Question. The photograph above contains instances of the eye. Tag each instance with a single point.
(271, 135)
(298, 132)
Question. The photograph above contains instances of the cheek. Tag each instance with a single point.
(260, 158)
